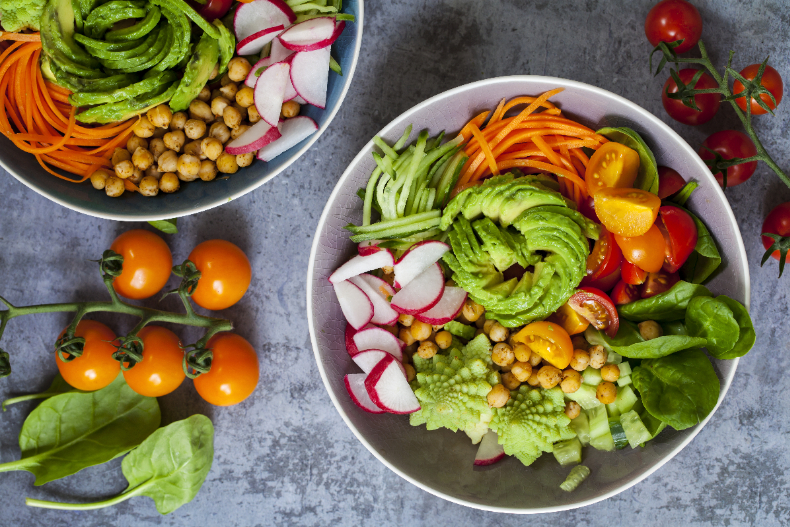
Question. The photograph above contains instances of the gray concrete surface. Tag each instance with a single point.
(285, 457)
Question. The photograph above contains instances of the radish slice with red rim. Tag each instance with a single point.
(360, 264)
(252, 17)
(450, 305)
(417, 259)
(257, 137)
(490, 451)
(294, 131)
(355, 304)
(382, 311)
(422, 293)
(270, 92)
(310, 75)
(355, 384)
(255, 42)
(375, 338)
(310, 35)
(388, 388)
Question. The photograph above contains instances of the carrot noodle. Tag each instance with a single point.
(36, 116)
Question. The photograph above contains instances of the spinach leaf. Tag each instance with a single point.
(73, 431)
(647, 177)
(167, 226)
(705, 258)
(676, 327)
(746, 334)
(713, 320)
(680, 390)
(58, 386)
(668, 306)
(682, 195)
(629, 343)
(654, 426)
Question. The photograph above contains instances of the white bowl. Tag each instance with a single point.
(440, 461)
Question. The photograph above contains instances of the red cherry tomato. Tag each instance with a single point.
(605, 256)
(770, 79)
(212, 9)
(633, 275)
(597, 308)
(673, 20)
(658, 283)
(680, 236)
(646, 251)
(604, 284)
(587, 207)
(669, 182)
(777, 222)
(624, 293)
(95, 368)
(729, 144)
(708, 103)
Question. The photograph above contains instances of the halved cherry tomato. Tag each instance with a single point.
(160, 372)
(771, 80)
(680, 235)
(605, 256)
(613, 165)
(225, 274)
(626, 211)
(624, 293)
(549, 340)
(632, 274)
(596, 306)
(569, 319)
(234, 371)
(605, 283)
(95, 368)
(147, 263)
(645, 251)
(658, 283)
(669, 182)
(587, 207)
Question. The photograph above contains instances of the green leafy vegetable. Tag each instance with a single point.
(58, 386)
(629, 342)
(668, 306)
(676, 327)
(713, 320)
(746, 335)
(19, 15)
(680, 390)
(73, 431)
(647, 177)
(682, 195)
(705, 259)
(167, 226)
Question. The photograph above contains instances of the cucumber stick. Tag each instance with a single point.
(585, 396)
(591, 376)
(635, 430)
(626, 399)
(575, 478)
(623, 381)
(581, 425)
(618, 434)
(568, 452)
(600, 435)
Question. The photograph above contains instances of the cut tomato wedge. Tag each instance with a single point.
(680, 236)
(632, 274)
(569, 319)
(605, 283)
(669, 182)
(658, 283)
(605, 256)
(646, 251)
(611, 166)
(597, 308)
(549, 340)
(624, 293)
(626, 211)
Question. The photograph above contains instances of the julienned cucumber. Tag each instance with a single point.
(568, 452)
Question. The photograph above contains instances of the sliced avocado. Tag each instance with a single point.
(139, 30)
(182, 6)
(147, 85)
(103, 17)
(57, 38)
(227, 47)
(120, 111)
(179, 51)
(197, 73)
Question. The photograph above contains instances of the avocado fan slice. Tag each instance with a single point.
(197, 72)
(126, 109)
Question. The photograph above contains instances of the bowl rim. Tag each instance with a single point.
(366, 149)
(224, 199)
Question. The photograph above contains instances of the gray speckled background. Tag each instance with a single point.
(284, 457)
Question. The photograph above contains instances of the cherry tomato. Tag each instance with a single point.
(771, 80)
(680, 236)
(633, 275)
(587, 207)
(234, 371)
(626, 211)
(225, 274)
(95, 368)
(212, 9)
(673, 20)
(669, 182)
(160, 371)
(612, 165)
(147, 264)
(569, 319)
(624, 293)
(729, 144)
(708, 103)
(549, 340)
(645, 251)
(604, 258)
(658, 283)
(777, 222)
(597, 308)
(605, 283)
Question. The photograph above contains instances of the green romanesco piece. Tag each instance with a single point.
(531, 422)
(19, 15)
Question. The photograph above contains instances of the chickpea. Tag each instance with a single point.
(242, 110)
(580, 360)
(533, 379)
(244, 97)
(225, 80)
(218, 105)
(506, 369)
(137, 176)
(522, 352)
(606, 392)
(175, 140)
(427, 349)
(159, 133)
(194, 148)
(522, 370)
(598, 357)
(487, 325)
(124, 169)
(237, 132)
(649, 329)
(498, 333)
(502, 354)
(405, 320)
(211, 147)
(188, 166)
(153, 172)
(252, 114)
(168, 161)
(579, 343)
(205, 94)
(142, 158)
(135, 142)
(178, 121)
(290, 109)
(573, 409)
(114, 187)
(160, 116)
(549, 376)
(208, 170)
(99, 179)
(444, 339)
(120, 154)
(238, 69)
(472, 310)
(195, 129)
(610, 372)
(245, 160)
(571, 380)
(232, 117)
(149, 186)
(498, 396)
(229, 91)
(143, 127)
(410, 373)
(214, 72)
(157, 148)
(200, 110)
(535, 359)
(169, 183)
(510, 381)
(219, 131)
(405, 335)
(420, 330)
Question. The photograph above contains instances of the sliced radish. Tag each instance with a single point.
(277, 54)
(421, 294)
(417, 259)
(254, 43)
(382, 311)
(369, 247)
(490, 451)
(379, 284)
(368, 359)
(294, 131)
(374, 338)
(270, 92)
(260, 15)
(389, 389)
(361, 264)
(260, 135)
(355, 384)
(446, 309)
(355, 304)
(310, 75)
(313, 34)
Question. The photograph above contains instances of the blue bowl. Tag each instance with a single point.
(197, 196)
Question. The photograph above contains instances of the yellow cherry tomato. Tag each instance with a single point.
(234, 371)
(147, 263)
(549, 340)
(160, 372)
(612, 166)
(569, 319)
(646, 251)
(626, 211)
(95, 368)
(225, 274)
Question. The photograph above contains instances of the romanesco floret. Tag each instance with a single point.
(19, 15)
(530, 422)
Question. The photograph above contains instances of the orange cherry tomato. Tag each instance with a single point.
(95, 368)
(645, 251)
(234, 371)
(626, 211)
(611, 166)
(161, 371)
(569, 319)
(549, 340)
(147, 264)
(225, 274)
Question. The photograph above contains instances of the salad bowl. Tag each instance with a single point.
(191, 199)
(440, 461)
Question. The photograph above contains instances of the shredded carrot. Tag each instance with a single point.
(20, 37)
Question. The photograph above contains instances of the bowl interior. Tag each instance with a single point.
(440, 461)
(192, 198)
